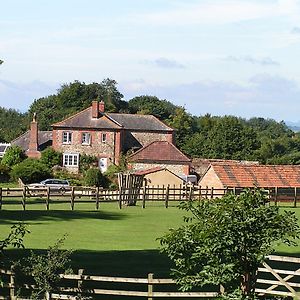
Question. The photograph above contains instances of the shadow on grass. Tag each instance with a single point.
(13, 216)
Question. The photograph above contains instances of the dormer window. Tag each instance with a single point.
(67, 137)
(103, 137)
(86, 138)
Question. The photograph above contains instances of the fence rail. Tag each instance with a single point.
(166, 194)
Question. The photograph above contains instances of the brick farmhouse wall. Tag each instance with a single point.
(178, 169)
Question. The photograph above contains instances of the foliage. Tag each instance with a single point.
(13, 156)
(15, 237)
(94, 177)
(74, 97)
(146, 105)
(30, 170)
(4, 173)
(50, 157)
(45, 268)
(225, 240)
(86, 161)
(12, 124)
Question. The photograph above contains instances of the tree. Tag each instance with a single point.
(151, 105)
(225, 240)
(50, 157)
(45, 268)
(13, 156)
(94, 177)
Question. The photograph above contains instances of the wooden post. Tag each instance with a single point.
(80, 282)
(167, 197)
(24, 197)
(150, 286)
(234, 190)
(144, 196)
(97, 197)
(275, 195)
(47, 197)
(120, 198)
(12, 285)
(72, 198)
(190, 192)
(200, 193)
(0, 198)
(206, 192)
(212, 192)
(295, 197)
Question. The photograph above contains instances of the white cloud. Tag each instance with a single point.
(263, 61)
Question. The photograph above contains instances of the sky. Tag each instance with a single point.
(222, 57)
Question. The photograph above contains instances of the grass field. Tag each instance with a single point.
(109, 241)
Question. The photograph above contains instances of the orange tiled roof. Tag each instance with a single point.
(159, 151)
(234, 175)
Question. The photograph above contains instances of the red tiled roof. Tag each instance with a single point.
(159, 151)
(234, 175)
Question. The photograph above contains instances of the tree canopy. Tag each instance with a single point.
(223, 241)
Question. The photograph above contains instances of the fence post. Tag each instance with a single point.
(24, 197)
(212, 192)
(275, 195)
(150, 286)
(0, 198)
(80, 282)
(144, 196)
(190, 192)
(48, 197)
(97, 197)
(12, 285)
(295, 197)
(167, 196)
(72, 198)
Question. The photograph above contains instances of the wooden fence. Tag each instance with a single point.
(146, 194)
(271, 281)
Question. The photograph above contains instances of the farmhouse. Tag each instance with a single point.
(220, 176)
(93, 131)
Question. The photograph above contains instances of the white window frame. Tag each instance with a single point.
(103, 137)
(67, 137)
(71, 159)
(86, 138)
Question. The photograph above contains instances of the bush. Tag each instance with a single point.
(86, 161)
(4, 173)
(50, 157)
(30, 170)
(13, 156)
(94, 177)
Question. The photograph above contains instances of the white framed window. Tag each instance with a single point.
(86, 138)
(104, 137)
(67, 137)
(71, 159)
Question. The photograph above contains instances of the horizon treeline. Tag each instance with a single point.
(206, 136)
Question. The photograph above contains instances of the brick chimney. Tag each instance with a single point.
(33, 139)
(101, 106)
(95, 109)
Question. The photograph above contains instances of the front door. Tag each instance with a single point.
(103, 164)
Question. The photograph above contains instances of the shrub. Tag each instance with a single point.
(85, 162)
(4, 173)
(13, 156)
(94, 177)
(50, 157)
(30, 170)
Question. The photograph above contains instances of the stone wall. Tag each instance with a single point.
(96, 147)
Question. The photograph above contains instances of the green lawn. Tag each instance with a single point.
(109, 241)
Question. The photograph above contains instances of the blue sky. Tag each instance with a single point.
(238, 57)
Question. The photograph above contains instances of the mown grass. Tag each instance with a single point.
(109, 241)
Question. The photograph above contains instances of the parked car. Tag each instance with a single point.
(60, 185)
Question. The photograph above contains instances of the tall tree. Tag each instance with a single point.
(225, 240)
